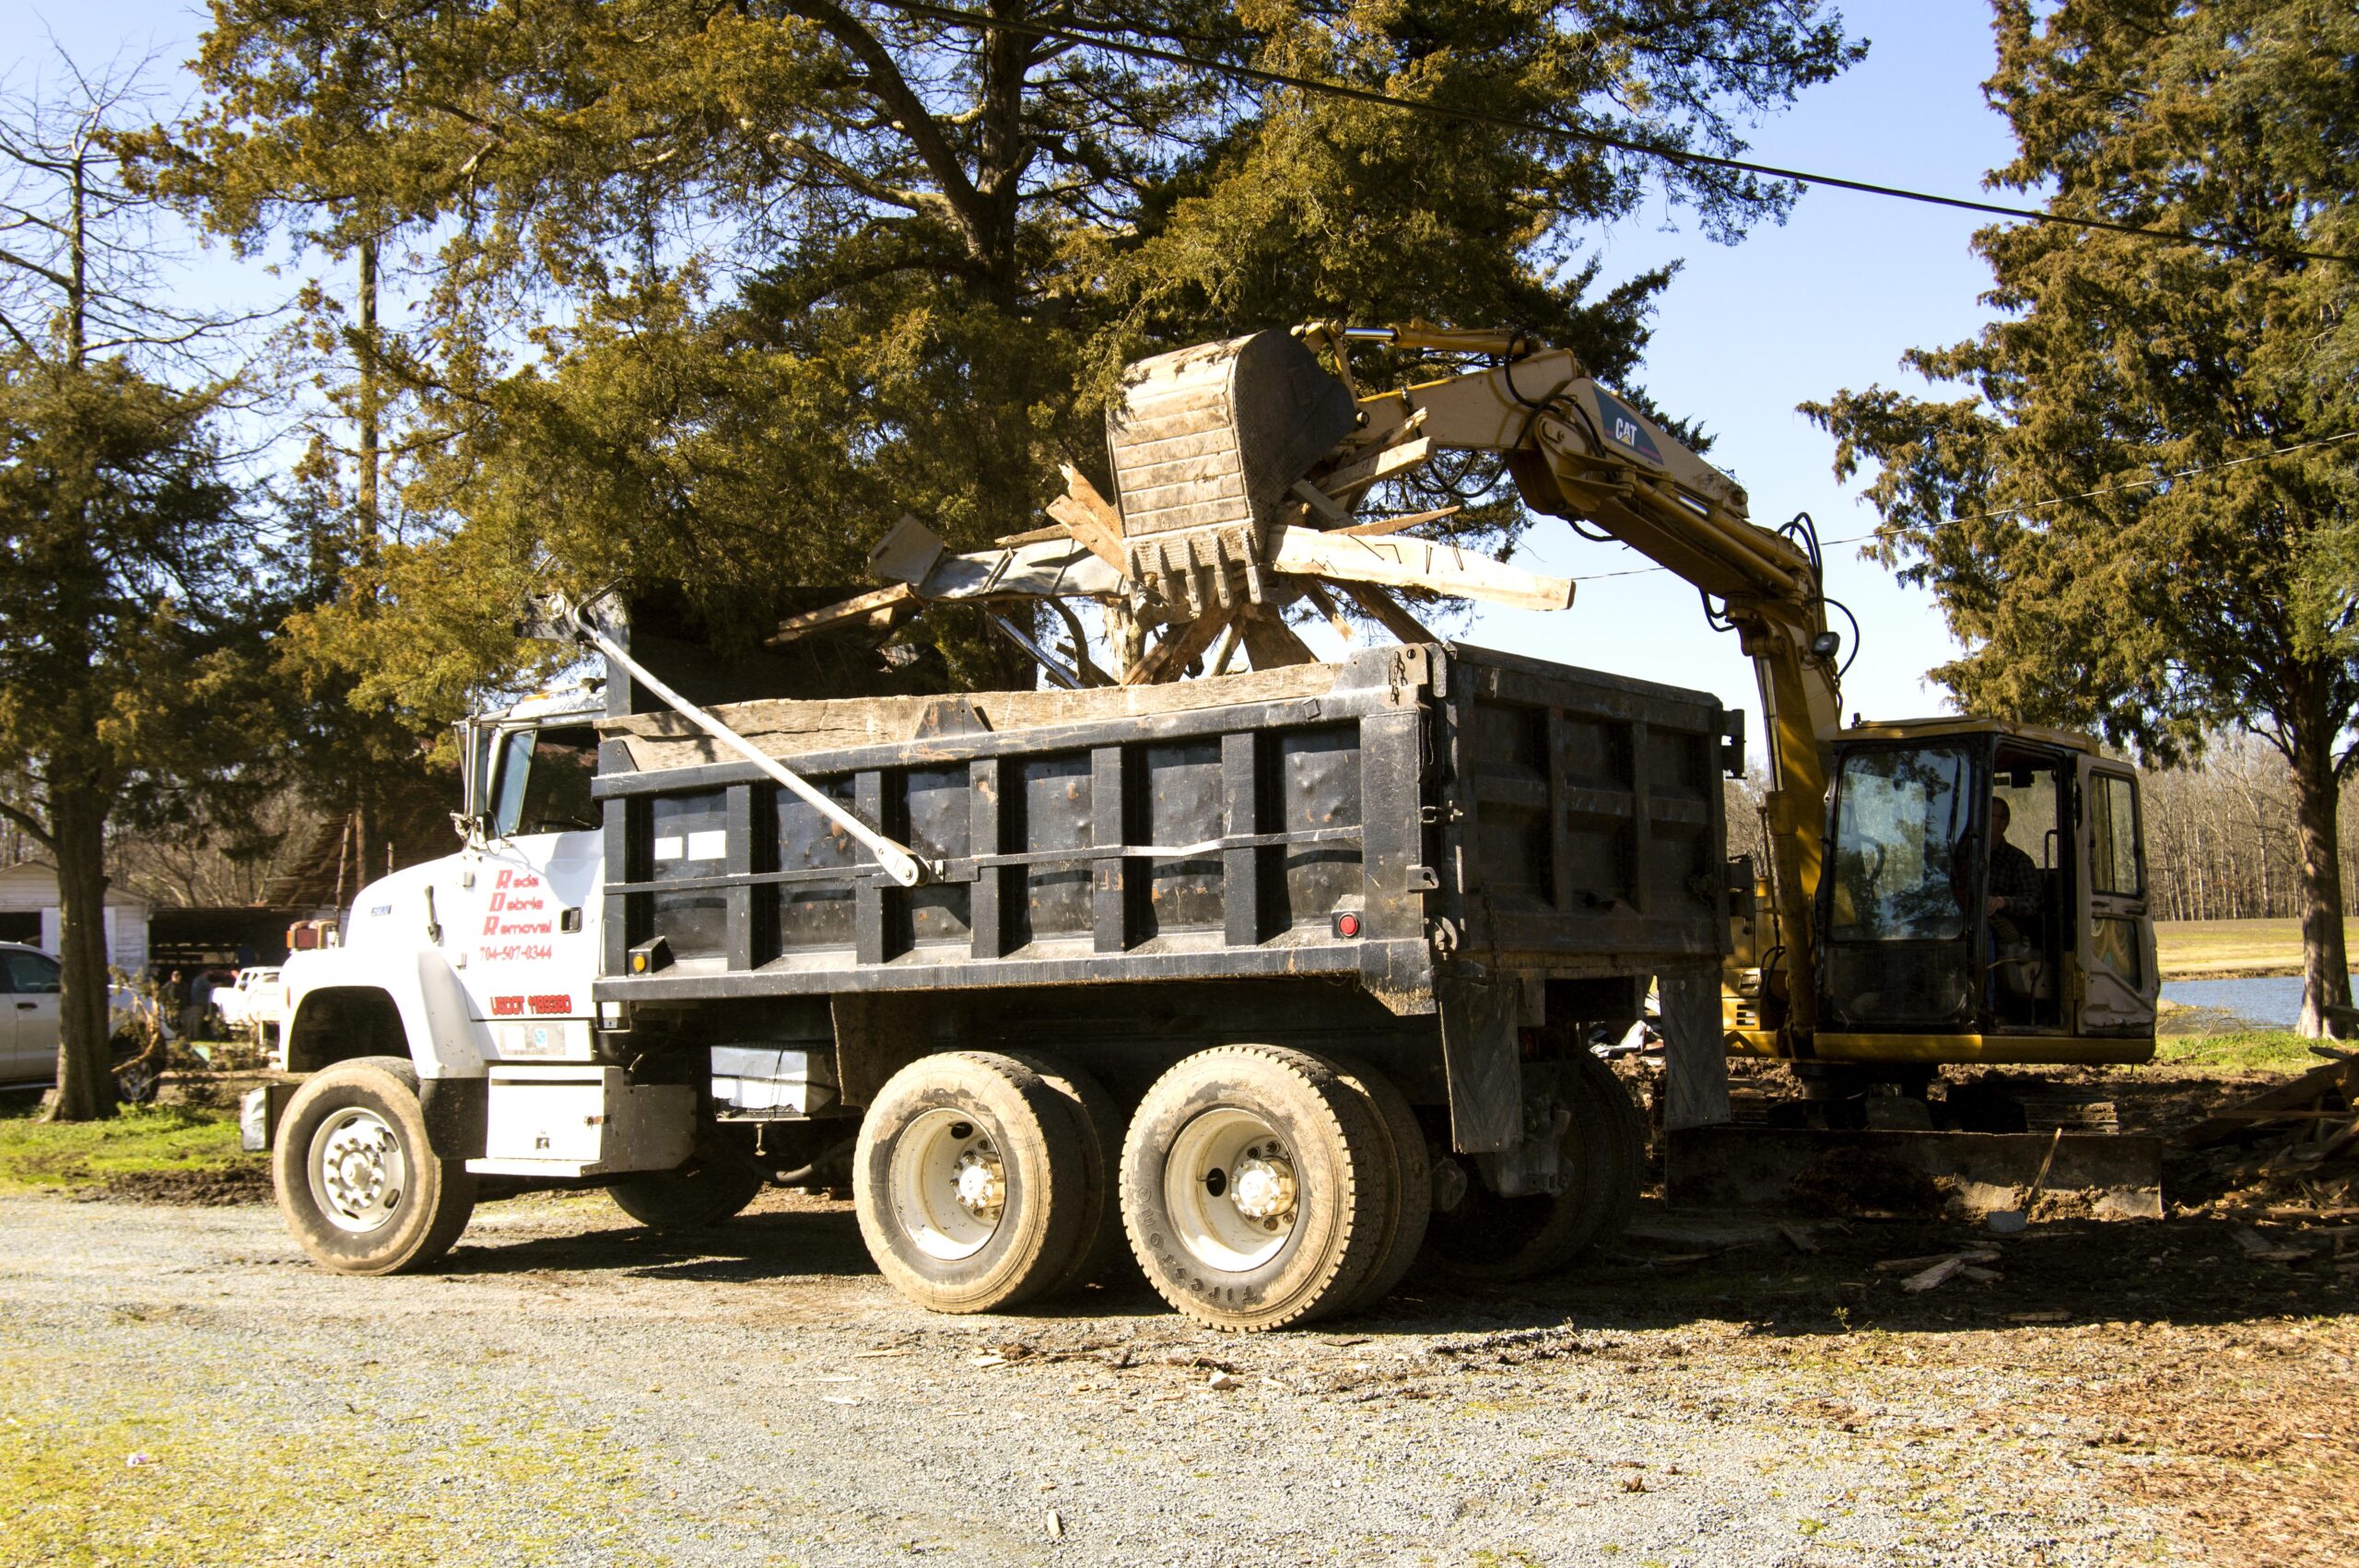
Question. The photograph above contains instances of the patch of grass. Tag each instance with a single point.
(36, 1155)
(175, 1475)
(2275, 1050)
(2190, 948)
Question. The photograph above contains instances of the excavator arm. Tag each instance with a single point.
(1580, 452)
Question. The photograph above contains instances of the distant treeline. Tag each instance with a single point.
(2220, 840)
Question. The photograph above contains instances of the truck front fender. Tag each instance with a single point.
(341, 1001)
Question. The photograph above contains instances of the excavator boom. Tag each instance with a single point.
(1578, 451)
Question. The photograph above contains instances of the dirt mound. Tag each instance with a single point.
(220, 1186)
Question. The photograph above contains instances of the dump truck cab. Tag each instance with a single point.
(1982, 899)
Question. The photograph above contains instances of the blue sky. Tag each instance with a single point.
(1829, 301)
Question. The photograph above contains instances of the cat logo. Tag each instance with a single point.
(1623, 427)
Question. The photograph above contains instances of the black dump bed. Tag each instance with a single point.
(1409, 818)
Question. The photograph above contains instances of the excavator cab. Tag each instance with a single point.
(1982, 900)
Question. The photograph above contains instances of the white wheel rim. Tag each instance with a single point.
(1230, 1189)
(359, 1171)
(948, 1185)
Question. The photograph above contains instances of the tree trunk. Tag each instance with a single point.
(85, 1070)
(369, 399)
(2326, 968)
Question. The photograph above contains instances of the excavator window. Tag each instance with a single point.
(1901, 887)
(2025, 851)
(1902, 810)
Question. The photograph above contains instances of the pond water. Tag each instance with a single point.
(2273, 1001)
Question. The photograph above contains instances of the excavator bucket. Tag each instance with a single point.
(1206, 445)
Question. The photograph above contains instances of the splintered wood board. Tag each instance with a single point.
(1417, 563)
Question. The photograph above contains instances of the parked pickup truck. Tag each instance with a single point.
(1272, 981)
(252, 1001)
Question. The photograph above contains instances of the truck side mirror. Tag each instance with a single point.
(475, 760)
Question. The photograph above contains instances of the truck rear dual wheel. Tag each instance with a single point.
(1101, 1254)
(359, 1183)
(718, 1180)
(1260, 1188)
(971, 1181)
(1489, 1237)
(1409, 1186)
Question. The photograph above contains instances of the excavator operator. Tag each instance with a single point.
(2016, 887)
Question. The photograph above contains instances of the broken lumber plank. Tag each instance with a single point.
(1324, 602)
(1089, 517)
(1086, 530)
(1388, 612)
(1396, 523)
(2261, 1249)
(1418, 563)
(1916, 1265)
(2272, 1104)
(1092, 518)
(1169, 659)
(1078, 487)
(887, 601)
(1381, 463)
(1229, 643)
(1271, 643)
(1938, 1273)
(1320, 503)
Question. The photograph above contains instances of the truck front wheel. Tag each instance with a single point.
(360, 1188)
(969, 1180)
(1256, 1187)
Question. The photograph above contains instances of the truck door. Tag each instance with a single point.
(523, 920)
(29, 1035)
(2117, 939)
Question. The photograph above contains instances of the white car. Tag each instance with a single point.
(28, 1018)
(255, 999)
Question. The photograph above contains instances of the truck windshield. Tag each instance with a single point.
(1903, 864)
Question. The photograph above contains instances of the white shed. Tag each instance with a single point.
(28, 913)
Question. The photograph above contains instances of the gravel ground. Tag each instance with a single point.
(177, 1385)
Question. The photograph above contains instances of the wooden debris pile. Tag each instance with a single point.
(1241, 467)
(2297, 1139)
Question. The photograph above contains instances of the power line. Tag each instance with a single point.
(2061, 500)
(1255, 73)
(2159, 479)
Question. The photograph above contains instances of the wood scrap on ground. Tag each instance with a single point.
(2299, 1106)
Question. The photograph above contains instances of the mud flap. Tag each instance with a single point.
(1478, 1048)
(2112, 1175)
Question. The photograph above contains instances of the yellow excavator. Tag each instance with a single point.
(1938, 891)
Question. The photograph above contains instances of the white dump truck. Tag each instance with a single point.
(1253, 972)
(1258, 973)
